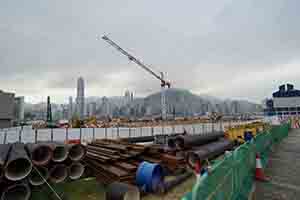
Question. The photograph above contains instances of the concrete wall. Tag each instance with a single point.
(6, 109)
(5, 123)
(19, 109)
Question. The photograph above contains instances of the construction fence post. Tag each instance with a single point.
(105, 132)
(129, 131)
(93, 134)
(51, 134)
(5, 137)
(80, 134)
(35, 135)
(67, 134)
(152, 131)
(20, 135)
(118, 131)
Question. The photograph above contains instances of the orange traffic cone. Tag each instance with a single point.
(259, 172)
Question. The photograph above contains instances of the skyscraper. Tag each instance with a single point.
(70, 107)
(80, 98)
(127, 97)
(19, 109)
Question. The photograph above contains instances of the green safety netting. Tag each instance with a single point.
(232, 177)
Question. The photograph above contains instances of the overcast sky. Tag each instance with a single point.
(225, 48)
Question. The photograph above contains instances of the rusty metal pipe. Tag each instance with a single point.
(139, 139)
(4, 151)
(58, 173)
(76, 170)
(122, 191)
(35, 178)
(77, 152)
(208, 151)
(16, 192)
(178, 180)
(18, 165)
(189, 141)
(40, 154)
(152, 138)
(60, 152)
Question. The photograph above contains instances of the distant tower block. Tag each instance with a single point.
(49, 111)
(131, 96)
(70, 107)
(80, 98)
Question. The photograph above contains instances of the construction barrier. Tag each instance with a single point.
(295, 122)
(232, 177)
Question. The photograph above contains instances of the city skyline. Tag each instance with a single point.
(228, 49)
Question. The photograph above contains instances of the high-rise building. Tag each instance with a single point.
(127, 97)
(6, 109)
(131, 96)
(80, 106)
(106, 106)
(19, 109)
(91, 109)
(70, 109)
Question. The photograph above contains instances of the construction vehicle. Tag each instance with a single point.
(240, 133)
(163, 83)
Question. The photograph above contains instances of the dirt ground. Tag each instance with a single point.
(89, 189)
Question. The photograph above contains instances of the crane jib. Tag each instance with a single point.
(139, 63)
(133, 59)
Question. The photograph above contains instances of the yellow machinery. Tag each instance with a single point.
(238, 133)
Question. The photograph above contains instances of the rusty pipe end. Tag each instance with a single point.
(41, 155)
(35, 178)
(77, 152)
(58, 173)
(16, 192)
(76, 170)
(18, 169)
(60, 153)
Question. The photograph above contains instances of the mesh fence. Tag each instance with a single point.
(232, 177)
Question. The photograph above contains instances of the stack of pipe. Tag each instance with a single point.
(188, 141)
(208, 151)
(23, 166)
(154, 138)
(15, 166)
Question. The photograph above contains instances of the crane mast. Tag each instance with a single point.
(163, 83)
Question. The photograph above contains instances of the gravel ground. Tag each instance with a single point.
(284, 170)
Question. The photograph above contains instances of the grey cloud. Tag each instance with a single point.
(202, 45)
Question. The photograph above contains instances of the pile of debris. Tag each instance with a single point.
(23, 167)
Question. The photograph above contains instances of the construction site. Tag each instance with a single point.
(145, 100)
(210, 157)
